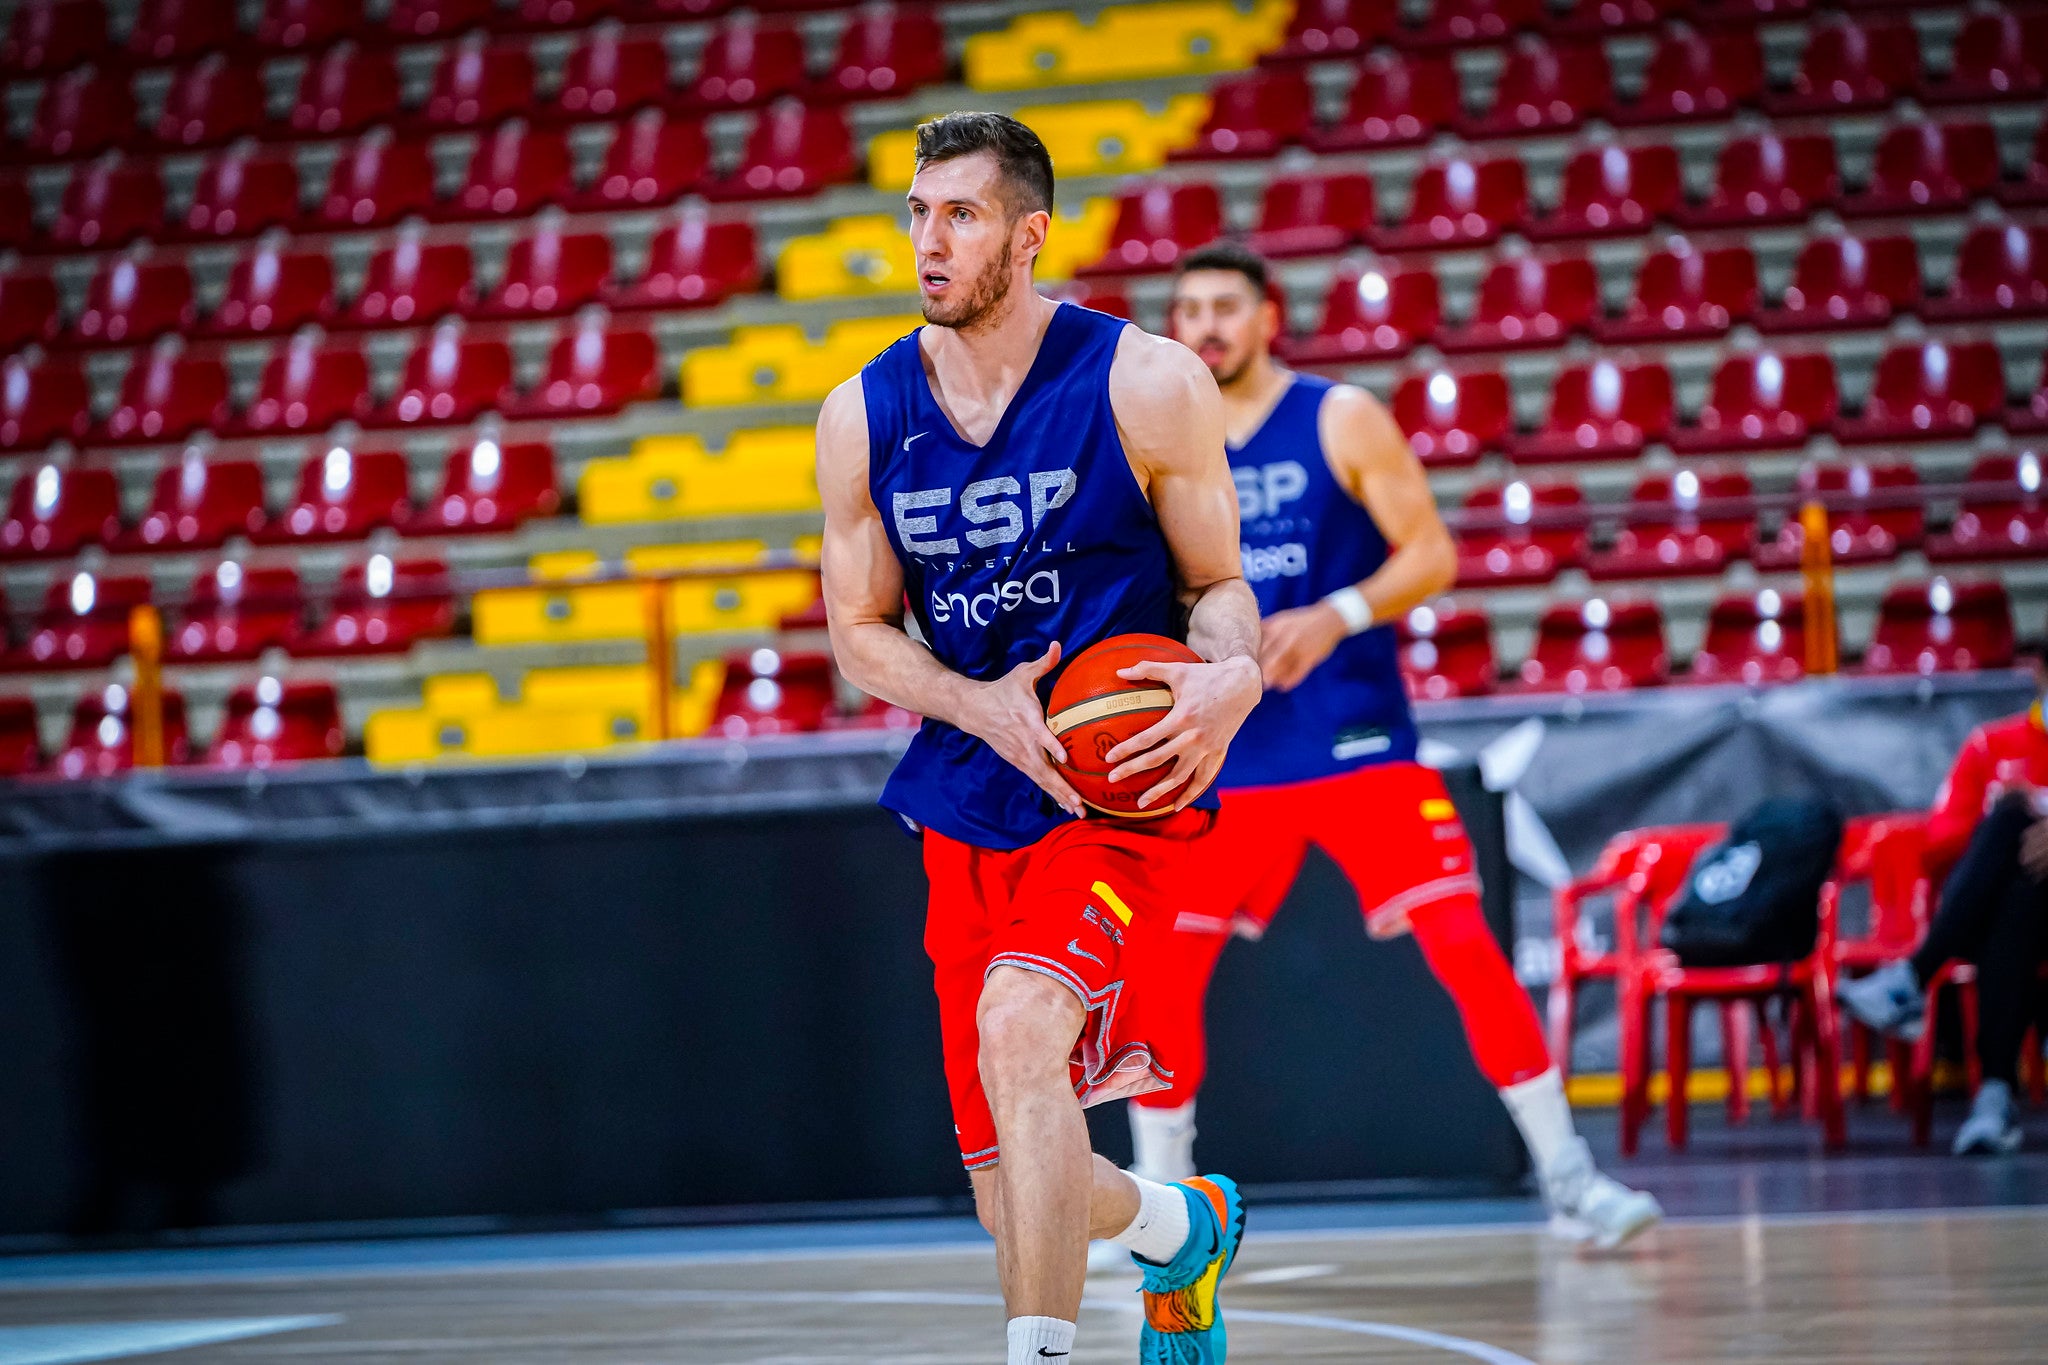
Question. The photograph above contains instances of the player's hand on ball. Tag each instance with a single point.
(1210, 701)
(1293, 642)
(1010, 719)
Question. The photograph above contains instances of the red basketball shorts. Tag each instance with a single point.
(1082, 906)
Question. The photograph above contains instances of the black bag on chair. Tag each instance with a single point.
(1755, 897)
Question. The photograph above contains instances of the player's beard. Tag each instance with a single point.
(991, 289)
(1225, 377)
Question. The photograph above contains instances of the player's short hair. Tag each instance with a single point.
(1021, 158)
(1229, 256)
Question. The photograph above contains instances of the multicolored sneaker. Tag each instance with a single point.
(1183, 1324)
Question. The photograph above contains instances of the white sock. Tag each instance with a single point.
(1034, 1341)
(1161, 1228)
(1539, 1109)
(1163, 1141)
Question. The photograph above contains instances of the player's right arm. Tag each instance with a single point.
(863, 583)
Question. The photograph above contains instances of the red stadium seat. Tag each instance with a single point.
(479, 82)
(1927, 168)
(1101, 298)
(747, 63)
(2003, 517)
(42, 400)
(1397, 99)
(693, 261)
(344, 495)
(197, 504)
(167, 395)
(1874, 513)
(410, 282)
(102, 740)
(1666, 533)
(21, 749)
(83, 623)
(1763, 400)
(669, 11)
(1851, 64)
(1373, 310)
(55, 512)
(548, 273)
(885, 51)
(270, 722)
(1597, 646)
(1458, 202)
(592, 369)
(109, 203)
(345, 90)
(382, 607)
(1446, 652)
(515, 169)
(653, 159)
(175, 30)
(376, 182)
(1613, 191)
(1545, 88)
(1999, 55)
(1847, 282)
(1594, 18)
(1157, 224)
(17, 211)
(551, 15)
(308, 385)
(414, 19)
(2001, 269)
(771, 693)
(609, 74)
(1453, 418)
(46, 36)
(1930, 389)
(448, 378)
(241, 192)
(271, 290)
(1769, 179)
(488, 485)
(1693, 76)
(234, 612)
(1254, 115)
(1527, 549)
(1602, 411)
(1313, 215)
(1941, 627)
(133, 300)
(83, 112)
(215, 100)
(307, 25)
(1322, 29)
(793, 150)
(1528, 302)
(2031, 417)
(28, 309)
(1753, 638)
(1465, 23)
(1750, 12)
(2032, 187)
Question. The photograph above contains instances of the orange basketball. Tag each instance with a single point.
(1093, 710)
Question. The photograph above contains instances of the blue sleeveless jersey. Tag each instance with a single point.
(1043, 534)
(1305, 537)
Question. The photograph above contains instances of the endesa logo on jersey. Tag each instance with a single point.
(1040, 589)
(1263, 563)
(1001, 514)
(1263, 494)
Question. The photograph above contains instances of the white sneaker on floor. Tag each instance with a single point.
(1591, 1209)
(1993, 1127)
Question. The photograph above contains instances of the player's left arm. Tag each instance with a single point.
(1170, 417)
(1373, 461)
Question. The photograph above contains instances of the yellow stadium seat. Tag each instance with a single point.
(853, 256)
(1076, 239)
(776, 364)
(558, 615)
(1088, 137)
(1126, 42)
(756, 601)
(561, 711)
(666, 478)
(707, 554)
(455, 694)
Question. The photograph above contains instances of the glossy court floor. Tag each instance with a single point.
(1774, 1254)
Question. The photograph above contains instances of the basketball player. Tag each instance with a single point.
(1341, 538)
(1031, 478)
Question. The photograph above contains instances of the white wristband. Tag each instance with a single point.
(1350, 604)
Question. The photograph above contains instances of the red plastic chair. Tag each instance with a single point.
(217, 100)
(548, 273)
(383, 607)
(271, 290)
(1463, 23)
(652, 159)
(1398, 99)
(1313, 215)
(410, 282)
(1928, 168)
(306, 25)
(1667, 535)
(1754, 639)
(609, 74)
(2002, 517)
(408, 20)
(28, 309)
(1601, 411)
(84, 621)
(378, 181)
(308, 385)
(1595, 18)
(1597, 646)
(1254, 115)
(234, 612)
(197, 504)
(1458, 202)
(1613, 191)
(771, 693)
(241, 192)
(1847, 281)
(102, 739)
(1851, 64)
(693, 262)
(268, 722)
(515, 169)
(592, 369)
(1446, 652)
(1545, 88)
(550, 15)
(1157, 225)
(1769, 179)
(885, 51)
(1941, 627)
(55, 512)
(46, 36)
(82, 113)
(1322, 29)
(1693, 77)
(747, 63)
(1999, 55)
(489, 485)
(1528, 302)
(478, 83)
(345, 90)
(42, 400)
(174, 30)
(134, 299)
(1874, 514)
(1682, 292)
(21, 748)
(108, 203)
(1453, 418)
(17, 211)
(1374, 310)
(1527, 548)
(1763, 400)
(2032, 186)
(167, 395)
(448, 378)
(793, 150)
(1930, 390)
(2001, 270)
(344, 495)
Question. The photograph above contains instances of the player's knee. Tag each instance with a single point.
(1028, 1024)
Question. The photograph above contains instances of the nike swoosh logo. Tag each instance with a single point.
(919, 437)
(1074, 947)
(1052, 1355)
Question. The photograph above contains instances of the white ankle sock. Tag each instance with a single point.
(1163, 1141)
(1034, 1341)
(1161, 1228)
(1539, 1109)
